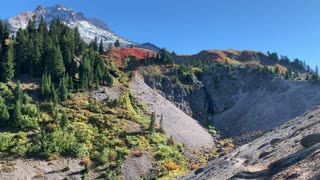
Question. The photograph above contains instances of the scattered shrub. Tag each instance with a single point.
(171, 166)
(195, 166)
(137, 153)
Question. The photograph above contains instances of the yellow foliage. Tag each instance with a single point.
(8, 42)
(85, 161)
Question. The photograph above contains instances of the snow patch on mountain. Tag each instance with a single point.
(89, 28)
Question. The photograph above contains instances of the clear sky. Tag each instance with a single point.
(289, 27)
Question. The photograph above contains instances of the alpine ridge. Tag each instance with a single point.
(89, 28)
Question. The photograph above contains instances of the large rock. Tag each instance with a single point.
(310, 140)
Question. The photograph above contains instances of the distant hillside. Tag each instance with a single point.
(119, 56)
(246, 57)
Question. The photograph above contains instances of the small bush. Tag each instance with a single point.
(5, 142)
(85, 161)
(195, 166)
(132, 141)
(171, 166)
(137, 153)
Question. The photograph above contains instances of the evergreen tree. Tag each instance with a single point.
(101, 51)
(117, 43)
(63, 91)
(85, 72)
(307, 78)
(31, 26)
(7, 65)
(110, 47)
(17, 118)
(78, 42)
(94, 44)
(109, 79)
(54, 96)
(57, 66)
(4, 113)
(17, 92)
(45, 86)
(64, 120)
(166, 56)
(43, 28)
(147, 59)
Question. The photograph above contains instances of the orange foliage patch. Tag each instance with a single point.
(119, 55)
(171, 166)
(195, 166)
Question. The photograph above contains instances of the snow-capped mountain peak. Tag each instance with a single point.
(89, 28)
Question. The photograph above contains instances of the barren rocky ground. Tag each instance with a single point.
(176, 123)
(276, 155)
(38, 169)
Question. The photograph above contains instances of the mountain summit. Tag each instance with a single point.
(89, 28)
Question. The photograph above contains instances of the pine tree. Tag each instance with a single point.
(78, 42)
(43, 28)
(45, 86)
(101, 51)
(110, 47)
(58, 68)
(7, 65)
(307, 78)
(62, 90)
(17, 118)
(64, 120)
(117, 43)
(165, 56)
(17, 92)
(54, 96)
(152, 123)
(85, 73)
(4, 113)
(94, 44)
(109, 79)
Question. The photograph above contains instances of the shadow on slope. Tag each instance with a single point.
(279, 165)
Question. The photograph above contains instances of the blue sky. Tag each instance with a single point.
(289, 27)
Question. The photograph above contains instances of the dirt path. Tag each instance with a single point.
(176, 123)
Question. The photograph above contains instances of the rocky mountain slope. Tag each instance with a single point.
(176, 123)
(236, 98)
(89, 28)
(291, 151)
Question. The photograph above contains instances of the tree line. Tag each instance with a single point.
(57, 54)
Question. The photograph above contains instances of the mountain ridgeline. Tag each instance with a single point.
(78, 105)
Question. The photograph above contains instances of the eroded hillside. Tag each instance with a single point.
(237, 99)
(290, 151)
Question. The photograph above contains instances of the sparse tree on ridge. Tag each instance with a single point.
(117, 44)
(101, 51)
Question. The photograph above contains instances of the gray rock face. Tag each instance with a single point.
(245, 102)
(267, 158)
(176, 123)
